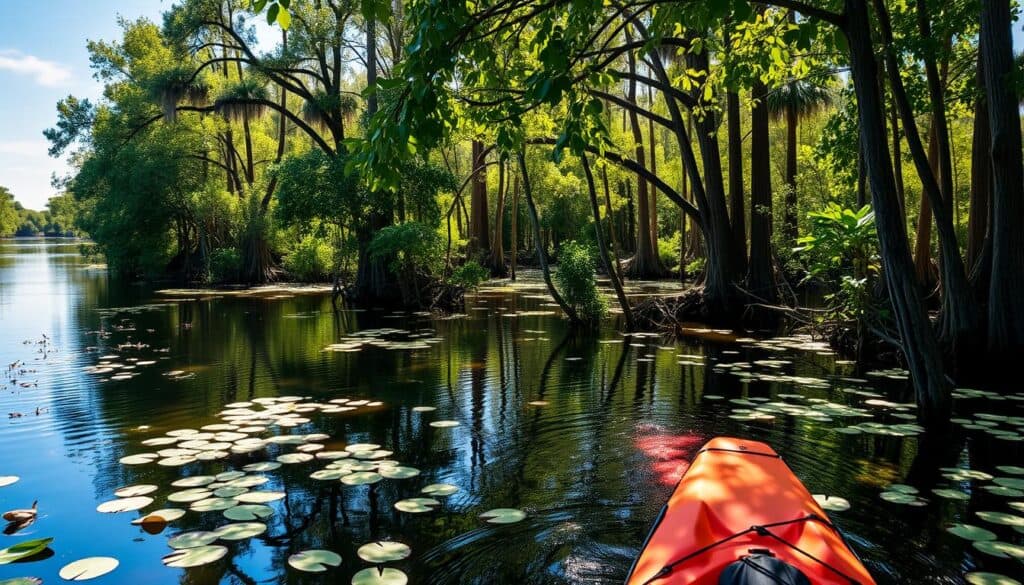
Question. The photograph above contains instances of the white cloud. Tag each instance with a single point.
(48, 73)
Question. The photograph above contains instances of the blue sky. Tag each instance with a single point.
(43, 59)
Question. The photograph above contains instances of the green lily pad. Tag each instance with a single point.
(293, 458)
(957, 474)
(361, 478)
(362, 447)
(445, 424)
(22, 581)
(260, 497)
(135, 490)
(999, 490)
(329, 474)
(213, 504)
(314, 561)
(1011, 469)
(383, 551)
(124, 505)
(194, 557)
(1010, 482)
(163, 515)
(248, 512)
(440, 489)
(417, 505)
(262, 466)
(902, 498)
(23, 550)
(241, 530)
(384, 576)
(192, 539)
(88, 568)
(1019, 506)
(229, 475)
(140, 459)
(901, 488)
(998, 548)
(503, 515)
(971, 532)
(832, 503)
(951, 494)
(229, 491)
(189, 495)
(1001, 518)
(398, 472)
(194, 482)
(248, 481)
(982, 578)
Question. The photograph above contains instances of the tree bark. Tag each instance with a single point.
(609, 266)
(479, 232)
(515, 226)
(645, 262)
(760, 276)
(498, 268)
(920, 346)
(923, 238)
(737, 209)
(981, 176)
(789, 218)
(1005, 311)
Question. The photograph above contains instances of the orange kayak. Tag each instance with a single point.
(740, 517)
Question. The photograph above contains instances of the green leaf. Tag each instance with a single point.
(272, 13)
(284, 18)
(23, 550)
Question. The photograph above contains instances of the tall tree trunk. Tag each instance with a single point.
(609, 266)
(645, 262)
(611, 222)
(515, 225)
(498, 268)
(789, 219)
(542, 256)
(897, 160)
(760, 276)
(479, 232)
(923, 240)
(737, 209)
(654, 170)
(1005, 311)
(920, 346)
(981, 176)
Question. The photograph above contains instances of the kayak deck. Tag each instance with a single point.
(739, 498)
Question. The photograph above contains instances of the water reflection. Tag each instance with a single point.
(586, 433)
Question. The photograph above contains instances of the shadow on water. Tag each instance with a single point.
(585, 433)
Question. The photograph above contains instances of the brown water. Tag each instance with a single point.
(590, 467)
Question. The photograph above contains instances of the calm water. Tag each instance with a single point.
(591, 467)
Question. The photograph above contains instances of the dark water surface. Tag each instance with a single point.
(591, 467)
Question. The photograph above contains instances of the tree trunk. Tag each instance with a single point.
(923, 239)
(736, 205)
(609, 266)
(515, 225)
(981, 176)
(654, 170)
(498, 268)
(1005, 311)
(645, 262)
(897, 160)
(920, 346)
(479, 232)
(542, 256)
(760, 276)
(789, 219)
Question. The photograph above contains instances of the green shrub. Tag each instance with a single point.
(469, 275)
(578, 283)
(668, 250)
(225, 265)
(409, 248)
(310, 260)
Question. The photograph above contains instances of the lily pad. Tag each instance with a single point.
(423, 408)
(361, 478)
(384, 576)
(998, 548)
(902, 498)
(1001, 518)
(22, 581)
(398, 472)
(383, 551)
(194, 481)
(160, 516)
(314, 561)
(440, 489)
(140, 459)
(6, 480)
(1010, 482)
(196, 556)
(248, 512)
(229, 491)
(241, 530)
(262, 466)
(971, 532)
(503, 515)
(329, 474)
(192, 539)
(417, 505)
(124, 504)
(901, 488)
(88, 568)
(293, 458)
(189, 495)
(951, 494)
(260, 497)
(832, 503)
(23, 550)
(213, 504)
(1011, 469)
(982, 578)
(445, 424)
(135, 490)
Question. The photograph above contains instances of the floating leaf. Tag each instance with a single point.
(176, 461)
(140, 459)
(445, 424)
(998, 548)
(398, 472)
(361, 478)
(135, 490)
(160, 516)
(194, 481)
(971, 532)
(88, 568)
(260, 497)
(417, 505)
(901, 488)
(314, 561)
(241, 530)
(1001, 518)
(832, 503)
(229, 475)
(950, 494)
(329, 474)
(214, 504)
(229, 491)
(383, 551)
(440, 489)
(385, 576)
(124, 504)
(982, 578)
(902, 498)
(999, 490)
(194, 557)
(248, 512)
(262, 466)
(293, 458)
(6, 480)
(22, 581)
(503, 515)
(192, 539)
(361, 447)
(23, 550)
(1011, 469)
(249, 481)
(1010, 482)
(423, 409)
(190, 495)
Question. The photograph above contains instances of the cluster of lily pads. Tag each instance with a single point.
(386, 338)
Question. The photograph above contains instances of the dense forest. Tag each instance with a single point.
(866, 154)
(58, 219)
